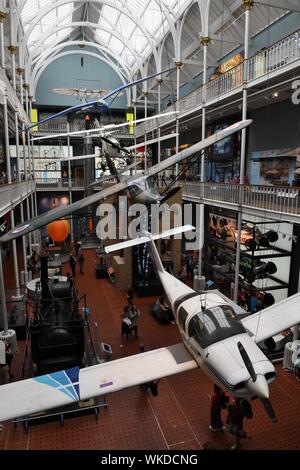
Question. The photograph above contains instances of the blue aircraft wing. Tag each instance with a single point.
(90, 104)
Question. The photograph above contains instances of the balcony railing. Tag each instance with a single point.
(284, 200)
(59, 183)
(53, 127)
(275, 57)
(12, 194)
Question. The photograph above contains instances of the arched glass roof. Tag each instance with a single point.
(130, 33)
(61, 15)
(128, 28)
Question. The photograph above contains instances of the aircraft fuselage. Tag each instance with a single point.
(211, 333)
(143, 191)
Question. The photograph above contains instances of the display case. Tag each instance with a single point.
(264, 260)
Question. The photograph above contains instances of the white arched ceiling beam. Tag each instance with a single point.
(20, 34)
(48, 8)
(50, 60)
(171, 23)
(118, 58)
(151, 65)
(211, 27)
(87, 24)
(127, 76)
(167, 52)
(153, 83)
(195, 41)
(102, 49)
(54, 54)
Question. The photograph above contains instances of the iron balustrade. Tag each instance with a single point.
(12, 194)
(273, 58)
(59, 183)
(56, 127)
(281, 199)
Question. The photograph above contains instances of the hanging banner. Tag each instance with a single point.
(130, 118)
(34, 118)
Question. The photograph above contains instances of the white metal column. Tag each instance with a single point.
(178, 64)
(70, 179)
(23, 238)
(9, 178)
(2, 40)
(134, 98)
(159, 83)
(146, 93)
(2, 298)
(248, 4)
(205, 40)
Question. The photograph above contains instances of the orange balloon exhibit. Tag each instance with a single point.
(59, 230)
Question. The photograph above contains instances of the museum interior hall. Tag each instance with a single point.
(149, 225)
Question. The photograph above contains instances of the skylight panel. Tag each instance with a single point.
(35, 35)
(125, 26)
(109, 13)
(116, 45)
(30, 10)
(102, 36)
(153, 16)
(138, 6)
(58, 16)
(57, 37)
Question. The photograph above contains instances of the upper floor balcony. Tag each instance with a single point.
(56, 127)
(7, 89)
(12, 194)
(267, 65)
(59, 184)
(266, 201)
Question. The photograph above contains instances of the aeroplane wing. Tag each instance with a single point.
(99, 101)
(274, 319)
(202, 145)
(71, 385)
(59, 212)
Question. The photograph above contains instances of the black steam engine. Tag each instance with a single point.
(57, 330)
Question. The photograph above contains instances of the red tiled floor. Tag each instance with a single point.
(178, 418)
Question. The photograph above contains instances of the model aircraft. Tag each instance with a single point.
(141, 187)
(99, 102)
(213, 339)
(81, 92)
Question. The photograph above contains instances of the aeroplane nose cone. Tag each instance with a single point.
(259, 388)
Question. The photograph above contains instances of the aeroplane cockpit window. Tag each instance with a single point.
(182, 316)
(213, 325)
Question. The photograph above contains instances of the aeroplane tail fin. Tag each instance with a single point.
(147, 237)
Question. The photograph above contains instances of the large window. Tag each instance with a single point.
(213, 325)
